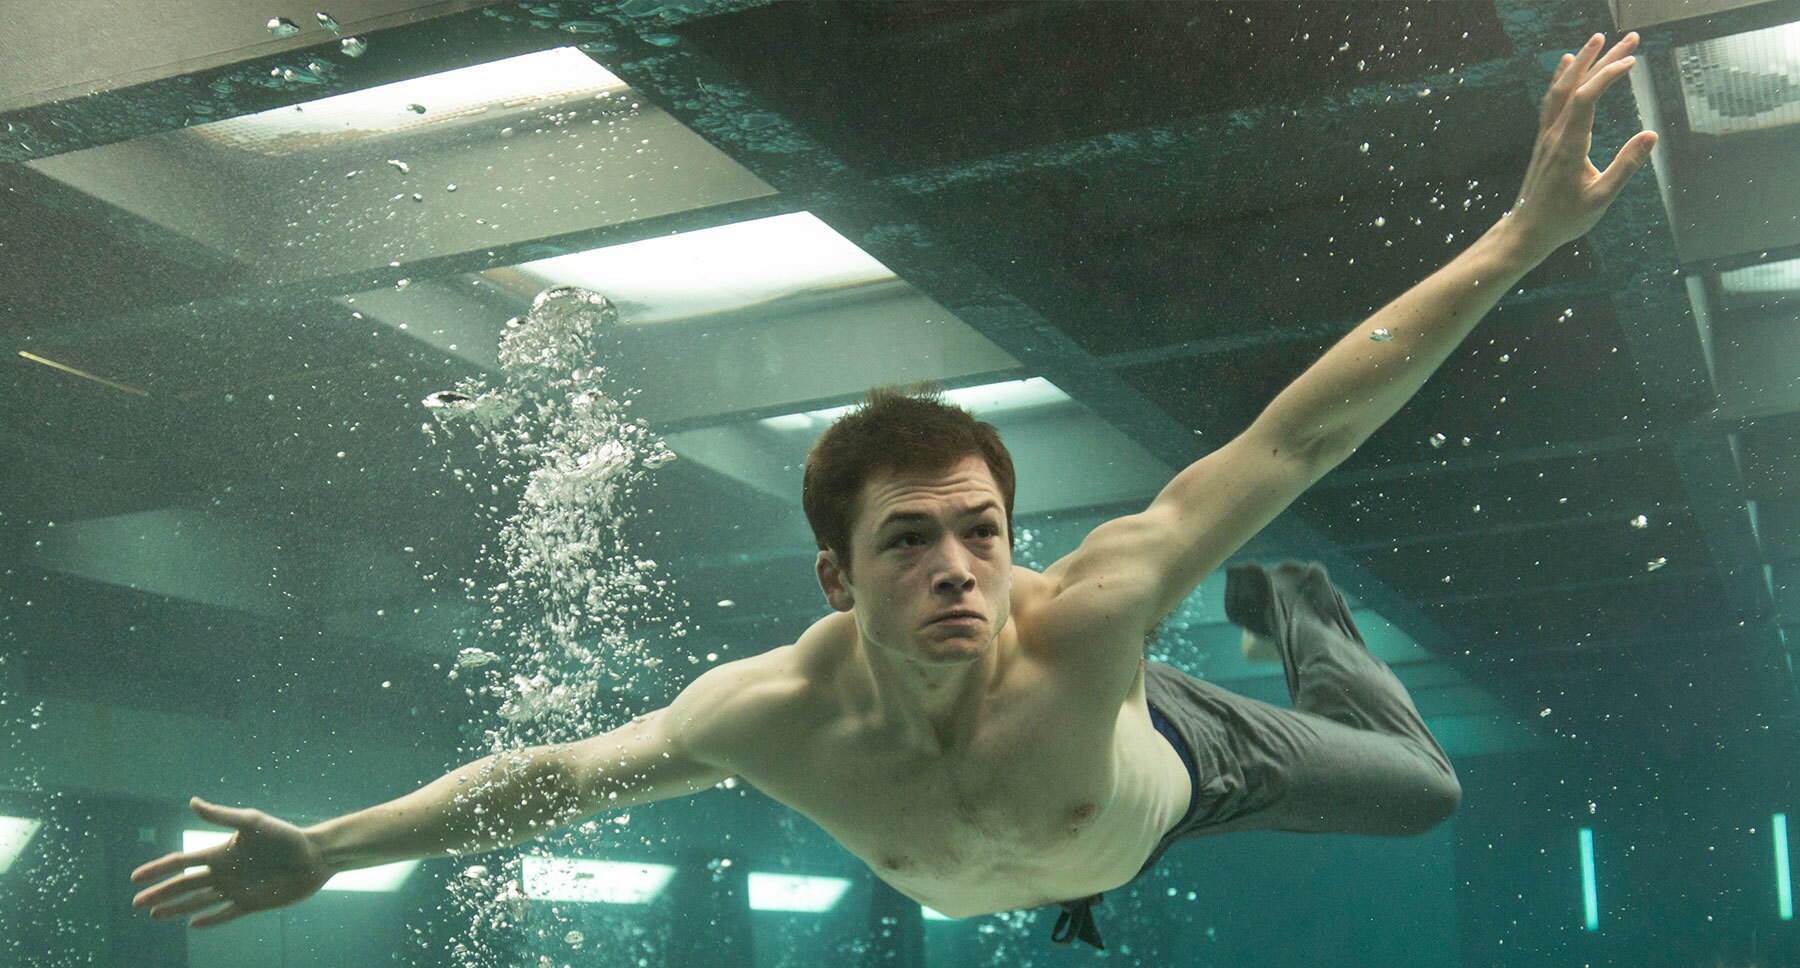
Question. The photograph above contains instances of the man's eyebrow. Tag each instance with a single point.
(902, 516)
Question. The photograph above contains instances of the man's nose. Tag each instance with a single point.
(955, 572)
(959, 578)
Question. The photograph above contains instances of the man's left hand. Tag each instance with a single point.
(1564, 195)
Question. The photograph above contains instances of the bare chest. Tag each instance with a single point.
(1038, 806)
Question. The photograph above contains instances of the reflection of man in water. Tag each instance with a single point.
(986, 737)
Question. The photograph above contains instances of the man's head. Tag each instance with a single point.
(906, 430)
(894, 492)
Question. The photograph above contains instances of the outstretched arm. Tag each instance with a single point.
(512, 797)
(1136, 569)
(494, 802)
(1360, 382)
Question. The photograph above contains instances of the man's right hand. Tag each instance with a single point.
(269, 863)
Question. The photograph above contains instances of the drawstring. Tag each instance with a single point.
(1077, 921)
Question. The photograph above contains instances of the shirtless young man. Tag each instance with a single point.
(986, 737)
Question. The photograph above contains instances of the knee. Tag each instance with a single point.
(1436, 802)
(1425, 807)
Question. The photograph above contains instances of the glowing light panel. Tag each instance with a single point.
(986, 400)
(1745, 82)
(1590, 896)
(15, 833)
(789, 892)
(1784, 885)
(1775, 277)
(458, 95)
(714, 270)
(598, 881)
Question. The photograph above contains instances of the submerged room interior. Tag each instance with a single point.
(241, 245)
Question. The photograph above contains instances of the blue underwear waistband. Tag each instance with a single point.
(1167, 728)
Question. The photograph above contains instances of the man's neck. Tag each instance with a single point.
(932, 708)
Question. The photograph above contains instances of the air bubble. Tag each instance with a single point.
(473, 658)
(283, 27)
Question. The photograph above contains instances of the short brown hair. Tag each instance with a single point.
(895, 430)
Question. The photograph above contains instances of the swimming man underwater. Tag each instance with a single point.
(987, 737)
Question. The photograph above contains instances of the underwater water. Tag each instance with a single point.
(418, 397)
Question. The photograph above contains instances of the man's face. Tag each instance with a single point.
(925, 546)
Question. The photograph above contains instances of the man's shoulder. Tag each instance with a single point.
(753, 702)
(1073, 636)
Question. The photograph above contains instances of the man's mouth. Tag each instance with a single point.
(958, 616)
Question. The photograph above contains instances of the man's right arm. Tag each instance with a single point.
(493, 802)
(517, 795)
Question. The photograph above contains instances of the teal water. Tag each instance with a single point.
(388, 390)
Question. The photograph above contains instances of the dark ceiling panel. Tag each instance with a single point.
(1768, 450)
(68, 258)
(1657, 605)
(950, 82)
(1508, 564)
(1525, 401)
(1611, 487)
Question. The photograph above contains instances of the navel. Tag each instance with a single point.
(1081, 815)
(893, 862)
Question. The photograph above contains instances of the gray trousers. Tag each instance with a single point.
(1352, 756)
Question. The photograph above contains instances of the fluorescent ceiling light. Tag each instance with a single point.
(988, 400)
(15, 833)
(997, 398)
(1745, 82)
(606, 882)
(717, 269)
(1775, 277)
(790, 892)
(378, 880)
(547, 76)
(384, 879)
(932, 915)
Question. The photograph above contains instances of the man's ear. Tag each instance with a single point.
(831, 582)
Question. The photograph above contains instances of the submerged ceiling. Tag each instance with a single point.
(1120, 228)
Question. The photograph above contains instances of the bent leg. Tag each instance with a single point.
(1353, 756)
(1261, 767)
(1330, 671)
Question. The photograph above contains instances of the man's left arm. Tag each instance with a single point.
(1362, 381)
(1139, 567)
